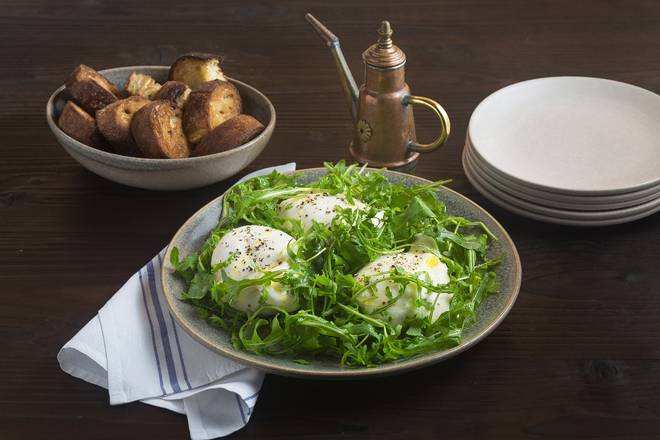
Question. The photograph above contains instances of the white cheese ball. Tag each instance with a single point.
(251, 251)
(425, 265)
(315, 207)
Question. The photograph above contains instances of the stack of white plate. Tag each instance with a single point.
(568, 150)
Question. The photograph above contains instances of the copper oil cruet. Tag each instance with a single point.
(384, 128)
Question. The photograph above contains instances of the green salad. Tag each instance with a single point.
(349, 267)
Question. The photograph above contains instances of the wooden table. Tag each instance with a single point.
(579, 355)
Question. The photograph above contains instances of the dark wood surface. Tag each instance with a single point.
(579, 355)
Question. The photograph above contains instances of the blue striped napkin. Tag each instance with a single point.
(135, 349)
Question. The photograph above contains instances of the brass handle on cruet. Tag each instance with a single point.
(440, 113)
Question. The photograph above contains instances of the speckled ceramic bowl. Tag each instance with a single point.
(490, 313)
(165, 174)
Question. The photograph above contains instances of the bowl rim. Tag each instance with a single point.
(262, 363)
(50, 110)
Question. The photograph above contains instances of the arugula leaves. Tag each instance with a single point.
(329, 321)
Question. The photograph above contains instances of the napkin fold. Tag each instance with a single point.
(135, 349)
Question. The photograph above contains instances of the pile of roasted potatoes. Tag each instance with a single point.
(195, 113)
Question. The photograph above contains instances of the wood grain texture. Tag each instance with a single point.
(577, 358)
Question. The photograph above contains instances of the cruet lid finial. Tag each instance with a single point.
(384, 54)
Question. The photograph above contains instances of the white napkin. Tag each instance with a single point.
(135, 349)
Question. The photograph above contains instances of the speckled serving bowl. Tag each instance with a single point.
(165, 174)
(490, 313)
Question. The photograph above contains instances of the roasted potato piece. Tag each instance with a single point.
(80, 125)
(91, 90)
(114, 122)
(230, 134)
(139, 84)
(194, 69)
(209, 106)
(175, 92)
(157, 131)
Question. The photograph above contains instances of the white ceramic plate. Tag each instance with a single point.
(571, 203)
(489, 194)
(561, 213)
(571, 135)
(563, 197)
